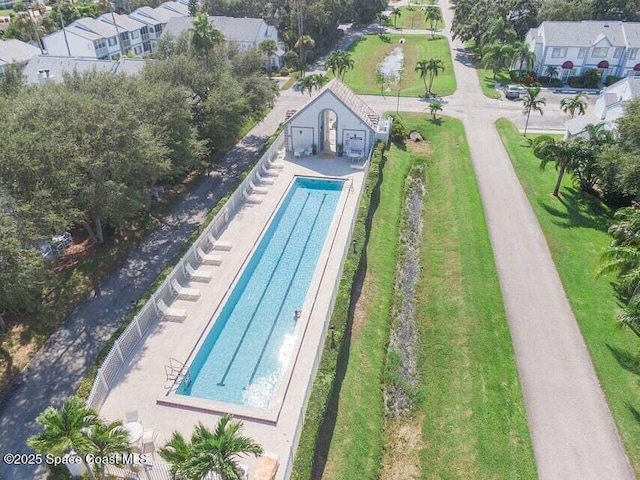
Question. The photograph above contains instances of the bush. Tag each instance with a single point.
(399, 132)
(547, 81)
(611, 79)
(576, 81)
(284, 72)
(592, 78)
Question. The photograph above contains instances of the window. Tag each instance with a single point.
(582, 53)
(135, 34)
(147, 46)
(633, 53)
(138, 50)
(600, 52)
(618, 52)
(112, 41)
(158, 29)
(100, 44)
(559, 52)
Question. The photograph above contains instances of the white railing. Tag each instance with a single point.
(150, 314)
(318, 355)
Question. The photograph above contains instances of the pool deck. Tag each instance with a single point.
(142, 381)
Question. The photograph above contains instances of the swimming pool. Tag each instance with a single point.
(247, 351)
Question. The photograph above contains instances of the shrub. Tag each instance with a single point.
(398, 131)
(576, 81)
(547, 81)
(591, 78)
(284, 72)
(611, 79)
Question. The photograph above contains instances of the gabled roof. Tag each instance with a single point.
(57, 66)
(238, 30)
(105, 30)
(153, 16)
(130, 24)
(16, 51)
(586, 33)
(179, 8)
(349, 99)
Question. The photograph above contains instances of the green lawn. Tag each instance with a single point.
(412, 18)
(356, 444)
(470, 412)
(5, 12)
(488, 83)
(575, 228)
(371, 50)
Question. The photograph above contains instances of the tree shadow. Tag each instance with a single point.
(327, 427)
(634, 412)
(436, 121)
(628, 361)
(582, 211)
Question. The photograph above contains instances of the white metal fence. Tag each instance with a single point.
(150, 313)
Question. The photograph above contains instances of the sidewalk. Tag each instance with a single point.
(57, 369)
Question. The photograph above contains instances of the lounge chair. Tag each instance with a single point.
(269, 173)
(266, 180)
(185, 293)
(196, 276)
(256, 189)
(251, 199)
(219, 244)
(176, 314)
(208, 258)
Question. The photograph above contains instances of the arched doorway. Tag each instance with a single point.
(327, 130)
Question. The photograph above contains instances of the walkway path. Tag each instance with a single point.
(56, 371)
(573, 433)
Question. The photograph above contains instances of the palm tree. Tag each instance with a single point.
(551, 71)
(109, 440)
(630, 316)
(380, 17)
(573, 105)
(624, 260)
(303, 44)
(626, 228)
(310, 82)
(499, 31)
(524, 56)
(382, 80)
(210, 451)
(435, 106)
(268, 49)
(433, 16)
(66, 429)
(599, 135)
(339, 62)
(560, 152)
(498, 56)
(421, 69)
(204, 36)
(532, 102)
(433, 67)
(396, 12)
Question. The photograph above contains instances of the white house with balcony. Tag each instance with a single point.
(85, 37)
(609, 107)
(246, 33)
(575, 47)
(155, 19)
(131, 32)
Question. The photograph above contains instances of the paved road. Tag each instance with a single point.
(573, 433)
(56, 371)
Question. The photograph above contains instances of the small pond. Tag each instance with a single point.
(391, 67)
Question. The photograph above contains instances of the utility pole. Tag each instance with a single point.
(64, 29)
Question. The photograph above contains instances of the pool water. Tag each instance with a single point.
(251, 343)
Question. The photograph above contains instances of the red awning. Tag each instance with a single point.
(603, 64)
(568, 65)
(637, 67)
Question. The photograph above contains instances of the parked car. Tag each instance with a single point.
(512, 92)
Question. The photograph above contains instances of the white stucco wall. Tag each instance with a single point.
(304, 128)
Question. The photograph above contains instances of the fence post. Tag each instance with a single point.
(119, 350)
(135, 320)
(104, 380)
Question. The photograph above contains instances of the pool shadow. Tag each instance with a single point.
(327, 427)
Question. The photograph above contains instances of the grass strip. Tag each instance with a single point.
(575, 228)
(412, 18)
(474, 419)
(371, 50)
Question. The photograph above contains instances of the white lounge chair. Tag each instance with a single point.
(251, 199)
(177, 314)
(269, 173)
(185, 293)
(276, 163)
(208, 258)
(219, 244)
(266, 180)
(256, 189)
(196, 276)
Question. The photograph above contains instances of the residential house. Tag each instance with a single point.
(46, 68)
(85, 37)
(575, 47)
(15, 51)
(246, 33)
(131, 33)
(155, 19)
(609, 106)
(177, 9)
